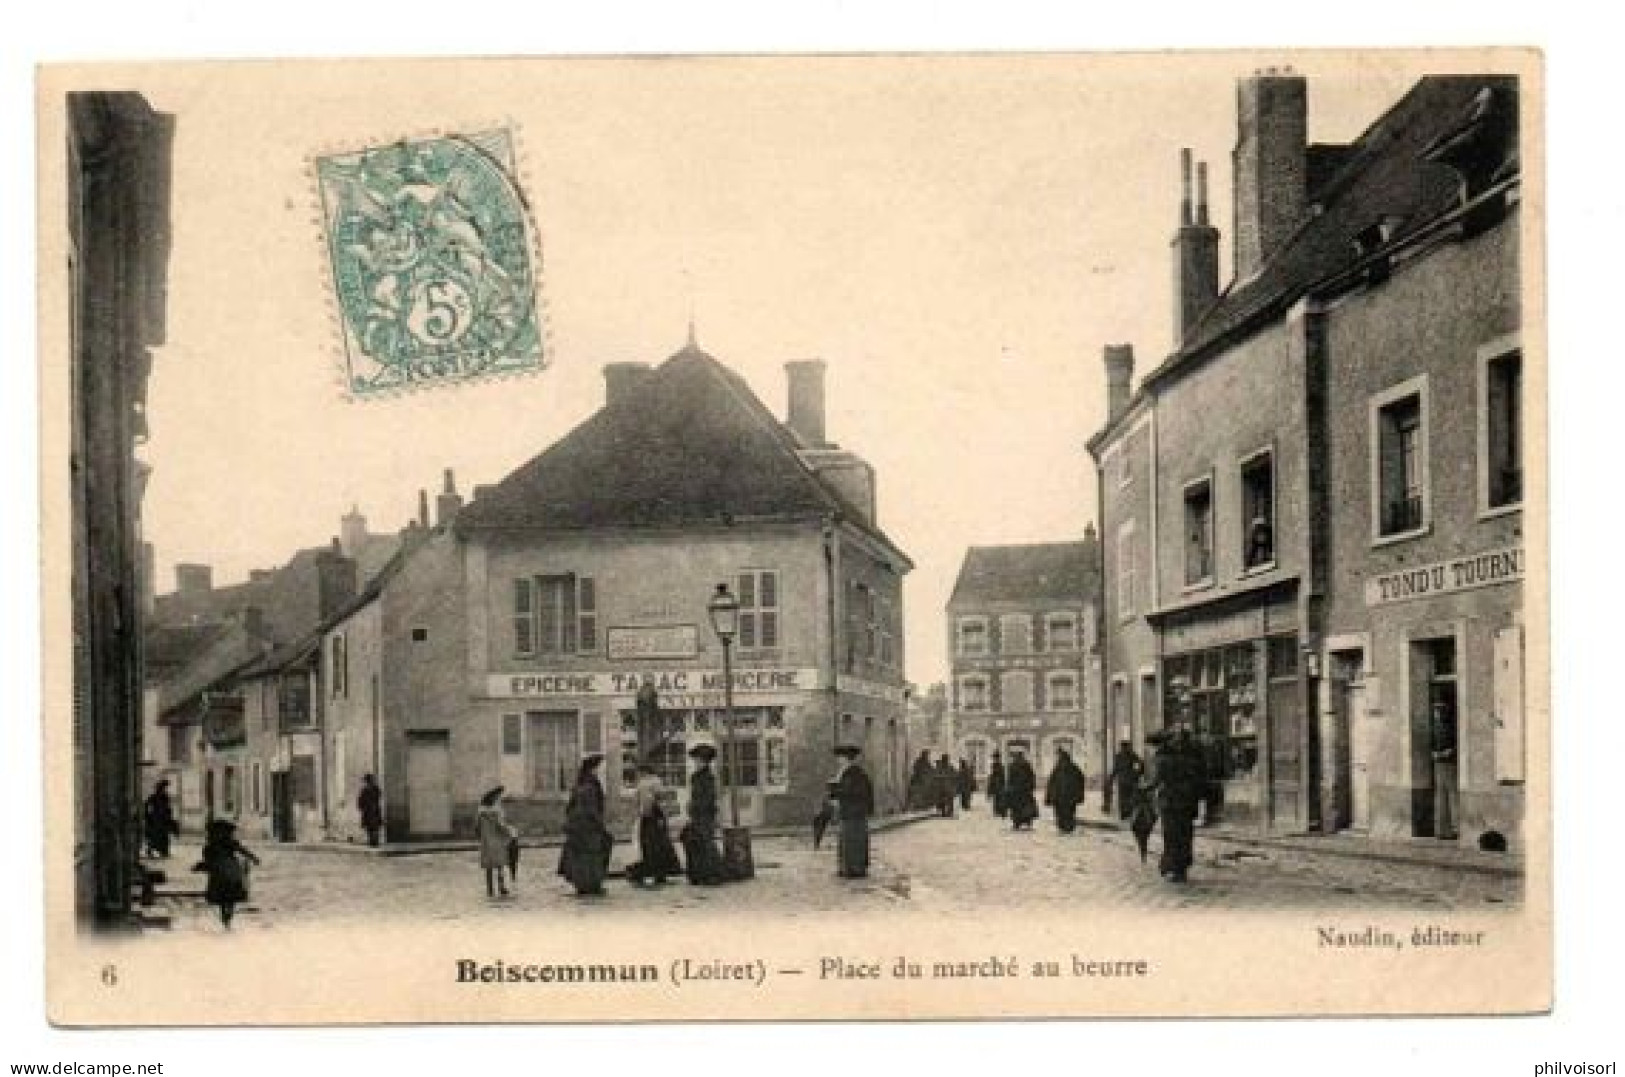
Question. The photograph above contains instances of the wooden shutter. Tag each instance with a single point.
(587, 614)
(1508, 703)
(524, 616)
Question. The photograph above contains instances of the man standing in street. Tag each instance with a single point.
(1446, 772)
(855, 800)
(1124, 780)
(1179, 777)
(371, 806)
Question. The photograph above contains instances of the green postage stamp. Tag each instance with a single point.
(433, 262)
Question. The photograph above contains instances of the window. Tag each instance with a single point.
(888, 650)
(1258, 510)
(420, 635)
(1199, 532)
(293, 699)
(758, 610)
(1062, 689)
(1016, 692)
(868, 625)
(512, 735)
(254, 785)
(973, 693)
(230, 804)
(972, 635)
(555, 615)
(180, 745)
(1399, 460)
(555, 750)
(1501, 426)
(1061, 630)
(1015, 634)
(1127, 574)
(338, 673)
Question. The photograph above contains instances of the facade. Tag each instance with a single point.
(523, 630)
(118, 249)
(1339, 623)
(1026, 671)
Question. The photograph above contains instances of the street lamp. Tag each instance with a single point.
(724, 612)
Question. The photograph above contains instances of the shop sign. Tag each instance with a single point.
(653, 641)
(1446, 577)
(668, 682)
(860, 687)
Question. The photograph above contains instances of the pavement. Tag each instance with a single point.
(973, 862)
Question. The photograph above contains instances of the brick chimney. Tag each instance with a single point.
(336, 582)
(449, 503)
(806, 408)
(423, 509)
(622, 379)
(1196, 253)
(1271, 164)
(1119, 379)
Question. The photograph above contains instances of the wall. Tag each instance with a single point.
(353, 743)
(1128, 644)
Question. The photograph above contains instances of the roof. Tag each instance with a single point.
(1383, 176)
(166, 647)
(689, 444)
(1059, 572)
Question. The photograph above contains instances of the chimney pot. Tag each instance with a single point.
(1185, 187)
(806, 405)
(1119, 378)
(193, 579)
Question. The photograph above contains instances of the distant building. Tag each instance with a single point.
(1021, 636)
(118, 175)
(1311, 510)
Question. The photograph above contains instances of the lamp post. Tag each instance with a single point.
(724, 612)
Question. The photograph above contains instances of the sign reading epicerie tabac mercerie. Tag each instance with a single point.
(668, 682)
(1444, 577)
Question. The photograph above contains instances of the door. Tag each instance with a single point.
(428, 784)
(1359, 757)
(281, 806)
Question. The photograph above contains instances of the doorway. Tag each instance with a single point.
(428, 783)
(1436, 741)
(1350, 769)
(282, 827)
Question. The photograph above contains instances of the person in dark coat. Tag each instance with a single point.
(224, 863)
(658, 858)
(371, 806)
(584, 860)
(699, 837)
(1128, 771)
(855, 802)
(158, 820)
(1020, 791)
(996, 786)
(922, 781)
(1064, 791)
(1142, 817)
(1179, 777)
(967, 784)
(945, 783)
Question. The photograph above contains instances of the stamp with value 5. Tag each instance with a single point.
(432, 254)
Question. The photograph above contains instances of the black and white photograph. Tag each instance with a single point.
(893, 536)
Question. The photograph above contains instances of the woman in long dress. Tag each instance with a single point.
(587, 841)
(1021, 786)
(658, 858)
(705, 864)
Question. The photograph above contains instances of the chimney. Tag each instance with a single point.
(336, 582)
(1119, 378)
(423, 509)
(622, 379)
(352, 530)
(258, 575)
(449, 503)
(253, 622)
(806, 410)
(1271, 165)
(194, 581)
(1196, 253)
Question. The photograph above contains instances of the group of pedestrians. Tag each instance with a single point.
(941, 786)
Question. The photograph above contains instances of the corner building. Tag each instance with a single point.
(585, 579)
(1321, 573)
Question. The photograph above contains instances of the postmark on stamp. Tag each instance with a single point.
(430, 249)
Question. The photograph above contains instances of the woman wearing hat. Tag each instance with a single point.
(855, 798)
(223, 861)
(705, 864)
(657, 859)
(587, 840)
(496, 838)
(158, 816)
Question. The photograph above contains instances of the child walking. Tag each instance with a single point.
(223, 860)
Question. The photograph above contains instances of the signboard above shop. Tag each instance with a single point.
(653, 641)
(1446, 577)
(667, 682)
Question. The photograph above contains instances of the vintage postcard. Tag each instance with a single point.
(719, 538)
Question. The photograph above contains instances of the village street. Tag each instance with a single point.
(967, 864)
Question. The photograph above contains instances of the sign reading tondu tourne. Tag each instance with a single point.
(1445, 577)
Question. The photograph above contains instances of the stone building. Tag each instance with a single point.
(117, 230)
(1025, 669)
(1287, 573)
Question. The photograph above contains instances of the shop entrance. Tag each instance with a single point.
(1436, 745)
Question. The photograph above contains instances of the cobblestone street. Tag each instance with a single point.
(970, 863)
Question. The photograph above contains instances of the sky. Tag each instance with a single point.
(957, 237)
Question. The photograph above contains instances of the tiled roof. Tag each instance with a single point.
(1039, 572)
(1383, 176)
(690, 444)
(167, 647)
